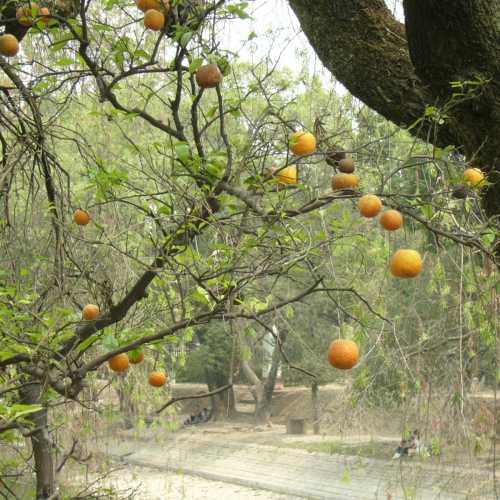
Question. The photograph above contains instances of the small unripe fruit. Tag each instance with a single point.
(346, 165)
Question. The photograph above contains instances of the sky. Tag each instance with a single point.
(276, 17)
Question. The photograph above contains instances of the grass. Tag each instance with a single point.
(372, 449)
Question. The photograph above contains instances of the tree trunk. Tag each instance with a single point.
(43, 451)
(398, 70)
(262, 390)
(128, 407)
(315, 407)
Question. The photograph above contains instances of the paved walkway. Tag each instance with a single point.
(297, 473)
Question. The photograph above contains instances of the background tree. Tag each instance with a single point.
(436, 74)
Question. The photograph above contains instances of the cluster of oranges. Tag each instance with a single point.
(121, 362)
(405, 262)
(27, 16)
(155, 12)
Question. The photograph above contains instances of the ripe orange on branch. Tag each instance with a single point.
(81, 217)
(287, 175)
(9, 46)
(343, 354)
(302, 143)
(208, 76)
(344, 181)
(473, 176)
(391, 220)
(146, 5)
(157, 379)
(154, 20)
(90, 312)
(119, 363)
(406, 263)
(369, 205)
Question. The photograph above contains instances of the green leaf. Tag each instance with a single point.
(65, 61)
(182, 152)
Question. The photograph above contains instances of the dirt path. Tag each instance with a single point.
(149, 484)
(218, 455)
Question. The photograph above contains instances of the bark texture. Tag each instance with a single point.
(41, 444)
(397, 70)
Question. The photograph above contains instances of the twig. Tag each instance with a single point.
(171, 401)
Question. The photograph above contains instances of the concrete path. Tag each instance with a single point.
(297, 473)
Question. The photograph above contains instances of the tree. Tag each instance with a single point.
(187, 212)
(437, 75)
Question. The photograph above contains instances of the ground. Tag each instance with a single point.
(237, 459)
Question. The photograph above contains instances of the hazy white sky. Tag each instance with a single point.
(276, 17)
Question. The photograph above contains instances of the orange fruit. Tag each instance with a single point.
(343, 354)
(45, 15)
(90, 312)
(344, 181)
(81, 217)
(119, 363)
(9, 46)
(473, 176)
(26, 14)
(208, 76)
(146, 5)
(287, 175)
(154, 20)
(346, 165)
(302, 143)
(157, 379)
(136, 357)
(391, 220)
(369, 205)
(406, 263)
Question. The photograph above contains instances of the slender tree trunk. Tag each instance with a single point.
(315, 407)
(262, 390)
(43, 452)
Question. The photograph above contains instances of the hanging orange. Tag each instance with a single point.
(119, 363)
(473, 176)
(146, 5)
(391, 220)
(81, 217)
(406, 263)
(343, 354)
(9, 46)
(302, 143)
(346, 165)
(90, 312)
(369, 205)
(287, 175)
(157, 379)
(208, 76)
(154, 20)
(344, 181)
